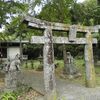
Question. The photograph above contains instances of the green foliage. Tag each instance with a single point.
(9, 96)
(86, 13)
(31, 64)
(14, 95)
(11, 15)
(9, 8)
(56, 10)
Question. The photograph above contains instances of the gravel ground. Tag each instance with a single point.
(31, 95)
(66, 90)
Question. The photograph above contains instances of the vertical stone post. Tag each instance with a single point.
(72, 33)
(89, 62)
(49, 68)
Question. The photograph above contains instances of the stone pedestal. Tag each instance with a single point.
(11, 80)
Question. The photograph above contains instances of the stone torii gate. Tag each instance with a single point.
(48, 52)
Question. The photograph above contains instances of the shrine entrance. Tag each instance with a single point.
(48, 52)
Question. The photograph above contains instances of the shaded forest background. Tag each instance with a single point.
(63, 11)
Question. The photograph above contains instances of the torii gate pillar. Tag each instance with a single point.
(49, 68)
(89, 61)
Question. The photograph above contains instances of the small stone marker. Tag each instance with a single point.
(71, 70)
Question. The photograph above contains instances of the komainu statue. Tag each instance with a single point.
(13, 64)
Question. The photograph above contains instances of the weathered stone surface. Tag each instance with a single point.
(60, 40)
(70, 66)
(72, 33)
(49, 68)
(96, 28)
(41, 24)
(11, 80)
(12, 71)
(89, 62)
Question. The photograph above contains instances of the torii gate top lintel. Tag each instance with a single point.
(42, 24)
(73, 29)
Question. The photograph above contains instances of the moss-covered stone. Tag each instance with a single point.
(89, 62)
(51, 96)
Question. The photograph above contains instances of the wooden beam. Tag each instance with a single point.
(60, 40)
(42, 24)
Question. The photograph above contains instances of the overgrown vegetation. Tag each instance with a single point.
(9, 96)
(24, 92)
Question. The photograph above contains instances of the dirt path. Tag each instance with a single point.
(65, 89)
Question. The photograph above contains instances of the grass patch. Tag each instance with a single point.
(31, 64)
(79, 63)
(97, 70)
